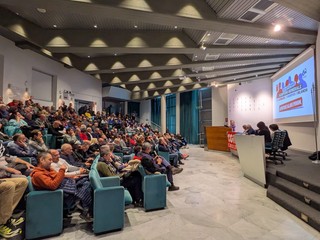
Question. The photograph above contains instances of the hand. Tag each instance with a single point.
(63, 167)
(83, 170)
(29, 165)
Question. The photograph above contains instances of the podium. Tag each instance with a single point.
(216, 138)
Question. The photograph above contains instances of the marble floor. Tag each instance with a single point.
(215, 202)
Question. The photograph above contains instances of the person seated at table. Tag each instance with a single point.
(248, 130)
(263, 130)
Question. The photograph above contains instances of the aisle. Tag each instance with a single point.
(214, 202)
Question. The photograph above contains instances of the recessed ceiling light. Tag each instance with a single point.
(175, 27)
(41, 10)
(208, 34)
(135, 26)
(95, 26)
(277, 28)
(115, 54)
(17, 13)
(89, 56)
(54, 25)
(195, 56)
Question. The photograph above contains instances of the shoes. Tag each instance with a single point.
(181, 163)
(7, 232)
(85, 215)
(176, 170)
(173, 188)
(16, 222)
(139, 204)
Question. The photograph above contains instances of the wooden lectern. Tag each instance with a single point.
(217, 138)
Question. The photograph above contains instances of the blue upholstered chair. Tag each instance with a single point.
(108, 203)
(154, 190)
(44, 213)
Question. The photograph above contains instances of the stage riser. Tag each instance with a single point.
(295, 206)
(299, 181)
(302, 194)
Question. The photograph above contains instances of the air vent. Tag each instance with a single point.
(210, 57)
(257, 11)
(263, 5)
(225, 38)
(206, 69)
(249, 16)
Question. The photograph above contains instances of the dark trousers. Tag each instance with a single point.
(133, 183)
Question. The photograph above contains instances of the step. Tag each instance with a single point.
(296, 207)
(301, 193)
(299, 181)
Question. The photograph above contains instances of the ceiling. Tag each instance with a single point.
(154, 47)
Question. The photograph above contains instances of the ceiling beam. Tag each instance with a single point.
(137, 79)
(217, 63)
(185, 21)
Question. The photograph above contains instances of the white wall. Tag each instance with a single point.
(145, 111)
(219, 105)
(250, 103)
(18, 64)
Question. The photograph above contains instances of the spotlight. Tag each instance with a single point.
(277, 28)
(202, 47)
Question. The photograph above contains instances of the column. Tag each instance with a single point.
(177, 112)
(125, 107)
(163, 114)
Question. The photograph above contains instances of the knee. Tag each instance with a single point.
(7, 186)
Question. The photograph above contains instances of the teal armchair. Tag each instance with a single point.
(108, 203)
(44, 213)
(154, 190)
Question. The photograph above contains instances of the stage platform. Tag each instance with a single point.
(295, 185)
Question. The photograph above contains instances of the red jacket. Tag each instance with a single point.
(43, 179)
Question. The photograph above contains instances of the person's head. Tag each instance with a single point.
(137, 149)
(42, 117)
(104, 148)
(146, 147)
(36, 134)
(70, 131)
(56, 124)
(245, 127)
(44, 160)
(85, 145)
(55, 155)
(261, 125)
(274, 127)
(106, 155)
(19, 139)
(66, 149)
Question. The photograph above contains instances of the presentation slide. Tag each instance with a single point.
(292, 92)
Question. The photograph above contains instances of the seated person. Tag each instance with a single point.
(71, 171)
(46, 178)
(82, 151)
(11, 191)
(20, 148)
(173, 156)
(36, 142)
(248, 130)
(286, 142)
(264, 131)
(68, 155)
(70, 137)
(156, 164)
(131, 181)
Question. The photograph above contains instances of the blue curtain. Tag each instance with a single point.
(156, 111)
(171, 112)
(189, 116)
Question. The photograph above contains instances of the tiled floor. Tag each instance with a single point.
(214, 202)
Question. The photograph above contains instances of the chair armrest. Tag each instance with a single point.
(110, 181)
(158, 179)
(27, 159)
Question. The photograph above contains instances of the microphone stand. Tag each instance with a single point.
(315, 122)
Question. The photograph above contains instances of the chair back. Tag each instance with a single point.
(278, 139)
(95, 179)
